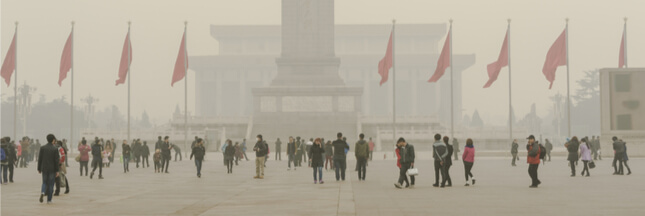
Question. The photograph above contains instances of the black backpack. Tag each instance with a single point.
(96, 150)
(542, 152)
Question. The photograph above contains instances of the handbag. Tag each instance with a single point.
(592, 165)
(78, 158)
(412, 172)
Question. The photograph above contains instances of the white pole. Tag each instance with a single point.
(185, 90)
(71, 111)
(393, 84)
(625, 39)
(566, 36)
(510, 103)
(452, 103)
(15, 88)
(128, 60)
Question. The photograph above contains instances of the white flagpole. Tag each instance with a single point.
(566, 36)
(393, 84)
(510, 103)
(452, 103)
(625, 39)
(128, 60)
(185, 88)
(71, 112)
(15, 88)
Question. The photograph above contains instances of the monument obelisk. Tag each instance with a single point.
(307, 97)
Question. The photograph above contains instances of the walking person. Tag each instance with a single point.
(198, 151)
(362, 152)
(110, 149)
(598, 147)
(84, 150)
(145, 152)
(329, 153)
(456, 150)
(278, 149)
(468, 157)
(572, 147)
(48, 167)
(136, 151)
(585, 154)
(619, 153)
(308, 145)
(105, 157)
(514, 147)
(114, 146)
(439, 153)
(548, 147)
(238, 152)
(11, 159)
(625, 159)
(406, 155)
(62, 171)
(340, 156)
(97, 151)
(126, 156)
(177, 153)
(371, 145)
(298, 159)
(244, 149)
(447, 163)
(223, 152)
(229, 154)
(316, 160)
(260, 150)
(291, 153)
(156, 159)
(165, 153)
(533, 159)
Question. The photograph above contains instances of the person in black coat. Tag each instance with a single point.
(447, 163)
(316, 160)
(291, 153)
(229, 155)
(10, 153)
(573, 147)
(407, 153)
(198, 151)
(126, 151)
(48, 166)
(165, 147)
(145, 153)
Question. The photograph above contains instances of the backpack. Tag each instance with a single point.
(542, 151)
(2, 154)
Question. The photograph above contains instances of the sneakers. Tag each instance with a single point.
(100, 177)
(322, 182)
(474, 182)
(533, 186)
(315, 181)
(411, 186)
(397, 185)
(91, 175)
(256, 177)
(435, 185)
(467, 185)
(41, 197)
(261, 177)
(199, 175)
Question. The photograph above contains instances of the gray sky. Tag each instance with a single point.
(479, 27)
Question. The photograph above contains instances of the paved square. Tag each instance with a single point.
(500, 190)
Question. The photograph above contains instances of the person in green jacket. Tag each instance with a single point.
(362, 152)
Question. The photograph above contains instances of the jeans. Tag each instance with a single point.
(467, 167)
(361, 168)
(178, 153)
(96, 162)
(318, 170)
(533, 173)
(229, 165)
(7, 170)
(329, 160)
(126, 161)
(198, 164)
(259, 166)
(57, 183)
(144, 161)
(291, 159)
(371, 154)
(446, 174)
(340, 166)
(403, 176)
(83, 164)
(48, 184)
(438, 170)
(247, 159)
(278, 154)
(572, 164)
(586, 168)
(165, 162)
(618, 158)
(514, 159)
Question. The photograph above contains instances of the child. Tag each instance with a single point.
(157, 159)
(106, 158)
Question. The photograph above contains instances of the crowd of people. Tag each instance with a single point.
(52, 157)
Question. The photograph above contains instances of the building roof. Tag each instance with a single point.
(342, 30)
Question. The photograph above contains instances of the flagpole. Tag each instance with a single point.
(393, 84)
(452, 104)
(15, 88)
(185, 88)
(510, 103)
(566, 36)
(71, 112)
(128, 60)
(625, 39)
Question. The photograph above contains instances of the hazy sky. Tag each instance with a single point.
(157, 26)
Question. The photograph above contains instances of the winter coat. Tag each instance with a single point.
(447, 160)
(585, 152)
(229, 152)
(126, 150)
(84, 150)
(48, 158)
(198, 152)
(361, 149)
(329, 150)
(533, 156)
(398, 156)
(291, 148)
(573, 147)
(407, 154)
(145, 151)
(315, 154)
(514, 147)
(439, 151)
(469, 154)
(261, 149)
(339, 149)
(157, 157)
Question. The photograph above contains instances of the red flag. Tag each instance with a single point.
(9, 64)
(557, 56)
(65, 60)
(385, 64)
(444, 60)
(182, 62)
(502, 61)
(621, 55)
(125, 62)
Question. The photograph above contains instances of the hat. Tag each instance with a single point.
(531, 137)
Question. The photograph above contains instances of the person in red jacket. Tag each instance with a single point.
(533, 159)
(84, 150)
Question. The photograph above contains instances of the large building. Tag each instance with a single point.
(247, 59)
(623, 108)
